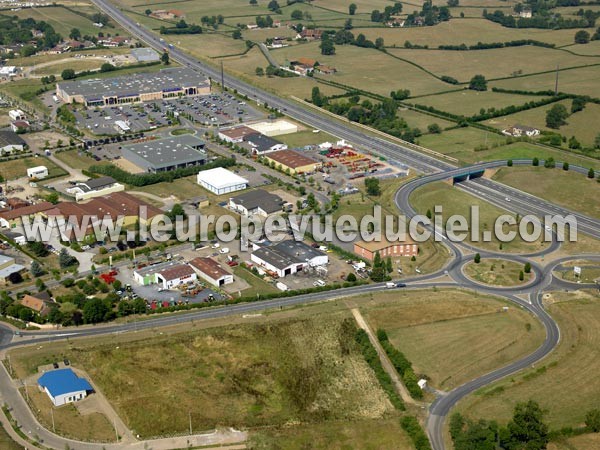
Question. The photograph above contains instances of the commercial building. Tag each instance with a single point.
(144, 54)
(38, 172)
(169, 275)
(367, 250)
(221, 181)
(287, 257)
(236, 134)
(10, 141)
(13, 217)
(211, 271)
(141, 87)
(95, 187)
(166, 154)
(8, 71)
(261, 144)
(257, 202)
(112, 206)
(19, 126)
(64, 386)
(8, 267)
(17, 114)
(293, 161)
(174, 276)
(275, 127)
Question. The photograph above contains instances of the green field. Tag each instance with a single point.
(569, 189)
(583, 81)
(468, 31)
(416, 119)
(17, 168)
(302, 370)
(63, 20)
(496, 272)
(564, 384)
(364, 434)
(382, 76)
(583, 124)
(455, 201)
(75, 64)
(427, 326)
(68, 421)
(460, 143)
(492, 63)
(469, 103)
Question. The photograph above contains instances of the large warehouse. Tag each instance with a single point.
(293, 161)
(165, 154)
(141, 87)
(221, 181)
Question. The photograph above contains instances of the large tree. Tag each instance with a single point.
(526, 430)
(94, 311)
(352, 9)
(478, 83)
(327, 47)
(582, 37)
(556, 116)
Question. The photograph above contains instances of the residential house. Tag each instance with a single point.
(521, 130)
(41, 303)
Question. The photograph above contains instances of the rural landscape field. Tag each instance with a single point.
(300, 224)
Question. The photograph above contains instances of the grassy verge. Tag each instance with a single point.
(430, 325)
(497, 272)
(569, 189)
(564, 384)
(455, 201)
(282, 371)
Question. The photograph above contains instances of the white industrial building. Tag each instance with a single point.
(211, 271)
(95, 187)
(275, 127)
(169, 275)
(17, 114)
(221, 181)
(10, 141)
(38, 172)
(287, 257)
(64, 386)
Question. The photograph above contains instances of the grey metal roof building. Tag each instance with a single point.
(95, 184)
(258, 201)
(263, 144)
(145, 54)
(166, 154)
(140, 87)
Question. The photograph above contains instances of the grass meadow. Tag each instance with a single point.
(427, 326)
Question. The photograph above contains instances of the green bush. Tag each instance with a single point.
(411, 425)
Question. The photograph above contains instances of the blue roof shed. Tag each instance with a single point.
(63, 381)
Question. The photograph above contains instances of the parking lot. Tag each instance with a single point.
(212, 110)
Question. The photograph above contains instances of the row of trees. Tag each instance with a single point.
(526, 430)
(548, 21)
(146, 179)
(382, 115)
(402, 365)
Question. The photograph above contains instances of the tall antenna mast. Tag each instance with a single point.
(556, 82)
